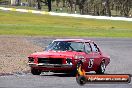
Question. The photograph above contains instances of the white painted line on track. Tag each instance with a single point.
(66, 14)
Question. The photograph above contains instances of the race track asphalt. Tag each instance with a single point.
(120, 50)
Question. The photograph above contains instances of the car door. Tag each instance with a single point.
(89, 57)
(97, 57)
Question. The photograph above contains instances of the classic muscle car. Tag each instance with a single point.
(63, 55)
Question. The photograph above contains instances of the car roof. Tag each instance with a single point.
(73, 40)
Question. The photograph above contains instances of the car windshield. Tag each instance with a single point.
(66, 46)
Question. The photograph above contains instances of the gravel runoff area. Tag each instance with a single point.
(13, 53)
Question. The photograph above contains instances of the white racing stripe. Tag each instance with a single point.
(66, 14)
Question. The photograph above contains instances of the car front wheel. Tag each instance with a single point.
(35, 71)
(101, 68)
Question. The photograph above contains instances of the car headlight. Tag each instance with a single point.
(30, 59)
(69, 61)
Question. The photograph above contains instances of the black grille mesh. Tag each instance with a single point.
(50, 60)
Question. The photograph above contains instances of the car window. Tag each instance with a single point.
(94, 47)
(77, 46)
(87, 48)
(66, 46)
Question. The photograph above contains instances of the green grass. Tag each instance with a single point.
(15, 23)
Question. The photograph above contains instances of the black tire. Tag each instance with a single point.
(101, 68)
(35, 71)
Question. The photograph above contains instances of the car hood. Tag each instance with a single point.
(56, 54)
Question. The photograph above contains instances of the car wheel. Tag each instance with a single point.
(80, 70)
(101, 68)
(35, 71)
(75, 70)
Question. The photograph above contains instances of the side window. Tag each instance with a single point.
(77, 46)
(87, 48)
(94, 47)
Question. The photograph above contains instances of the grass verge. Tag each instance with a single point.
(16, 23)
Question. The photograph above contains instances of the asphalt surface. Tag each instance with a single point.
(119, 49)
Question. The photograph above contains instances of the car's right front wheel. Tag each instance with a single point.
(101, 68)
(35, 71)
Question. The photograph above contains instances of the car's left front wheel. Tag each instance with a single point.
(35, 71)
(101, 68)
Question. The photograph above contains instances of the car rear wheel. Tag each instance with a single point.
(35, 71)
(101, 68)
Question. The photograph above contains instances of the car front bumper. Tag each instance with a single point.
(51, 65)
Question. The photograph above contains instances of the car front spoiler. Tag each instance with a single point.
(50, 65)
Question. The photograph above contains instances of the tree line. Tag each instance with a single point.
(98, 7)
(90, 7)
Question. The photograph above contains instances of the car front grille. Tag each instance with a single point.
(50, 60)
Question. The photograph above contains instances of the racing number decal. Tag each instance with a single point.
(90, 63)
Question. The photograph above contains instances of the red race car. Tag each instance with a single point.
(63, 55)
